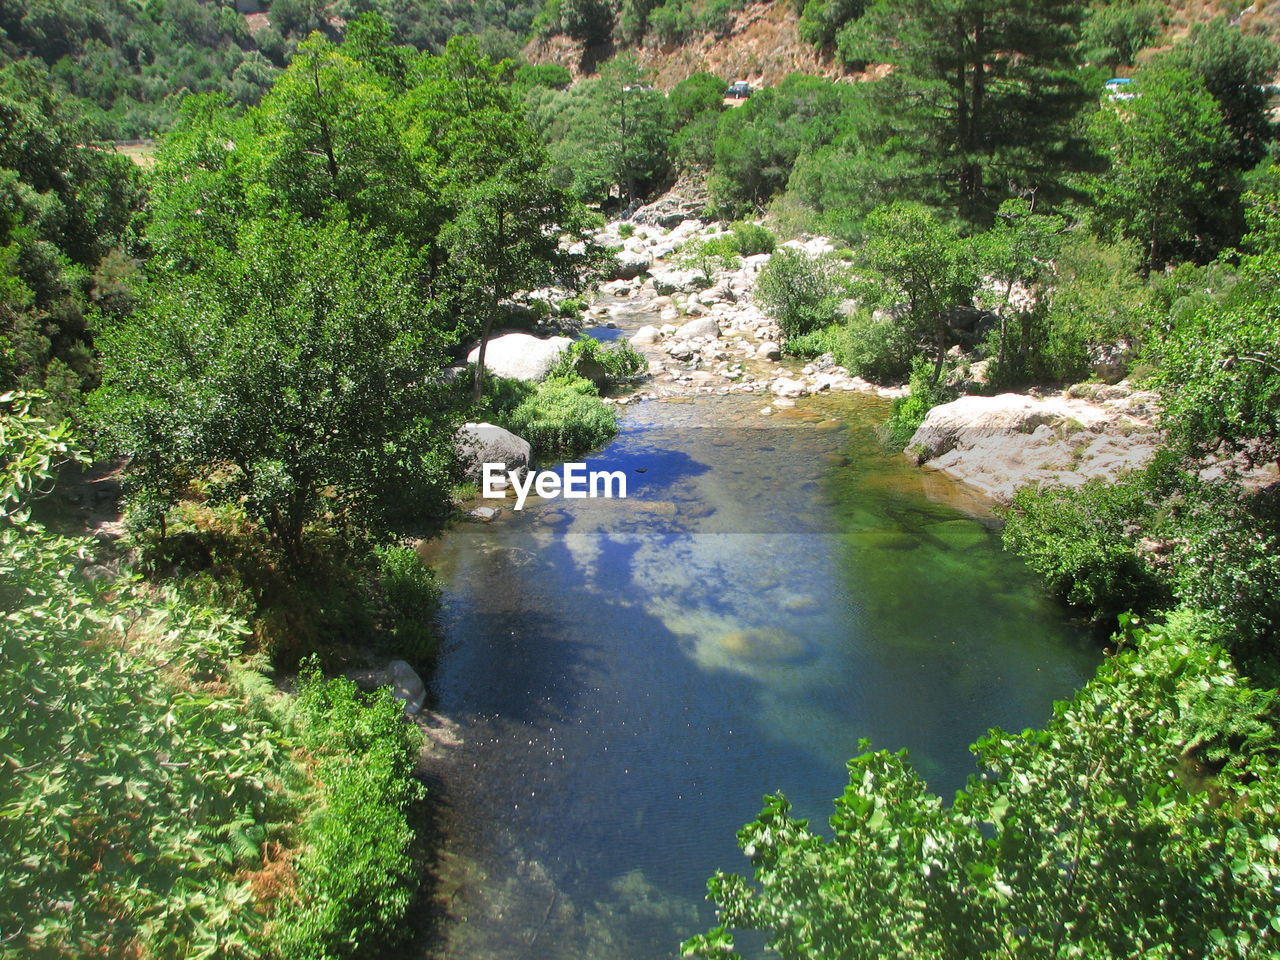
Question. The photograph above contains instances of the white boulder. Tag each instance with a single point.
(520, 356)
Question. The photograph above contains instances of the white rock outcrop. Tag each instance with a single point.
(520, 356)
(998, 444)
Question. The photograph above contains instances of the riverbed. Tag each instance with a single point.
(623, 680)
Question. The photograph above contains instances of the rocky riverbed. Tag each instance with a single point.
(710, 337)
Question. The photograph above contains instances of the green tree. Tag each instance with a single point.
(696, 95)
(291, 373)
(1169, 177)
(1220, 363)
(919, 266)
(1018, 251)
(636, 127)
(1113, 33)
(1235, 67)
(1089, 838)
(981, 102)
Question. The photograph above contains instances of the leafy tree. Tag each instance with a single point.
(759, 142)
(711, 255)
(1089, 838)
(329, 135)
(290, 373)
(801, 291)
(1018, 251)
(1220, 363)
(1169, 178)
(920, 266)
(821, 20)
(636, 127)
(980, 104)
(1113, 33)
(66, 204)
(512, 227)
(696, 95)
(587, 20)
(1235, 67)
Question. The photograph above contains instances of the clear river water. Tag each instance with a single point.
(622, 680)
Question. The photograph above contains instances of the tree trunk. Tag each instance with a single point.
(477, 383)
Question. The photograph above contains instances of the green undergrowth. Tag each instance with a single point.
(160, 797)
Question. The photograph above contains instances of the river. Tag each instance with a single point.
(622, 680)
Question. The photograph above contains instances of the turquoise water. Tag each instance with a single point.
(623, 680)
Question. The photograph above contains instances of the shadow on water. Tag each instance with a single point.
(628, 677)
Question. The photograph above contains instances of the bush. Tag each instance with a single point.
(876, 348)
(1081, 541)
(588, 359)
(801, 291)
(752, 239)
(710, 255)
(815, 343)
(563, 417)
(909, 411)
(550, 75)
(411, 598)
(355, 873)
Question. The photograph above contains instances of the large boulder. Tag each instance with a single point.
(628, 264)
(699, 327)
(998, 444)
(646, 335)
(667, 282)
(481, 443)
(521, 356)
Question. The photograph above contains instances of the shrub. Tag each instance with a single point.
(588, 359)
(563, 417)
(355, 874)
(711, 255)
(411, 598)
(626, 230)
(909, 411)
(876, 348)
(752, 239)
(807, 346)
(801, 291)
(1081, 542)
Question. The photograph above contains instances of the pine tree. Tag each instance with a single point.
(980, 101)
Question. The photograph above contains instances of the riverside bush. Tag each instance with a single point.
(1080, 541)
(562, 418)
(618, 362)
(909, 411)
(411, 597)
(752, 239)
(354, 870)
(802, 292)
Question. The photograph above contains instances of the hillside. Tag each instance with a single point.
(761, 43)
(762, 46)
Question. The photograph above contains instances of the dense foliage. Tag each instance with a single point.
(66, 205)
(152, 800)
(131, 63)
(1093, 837)
(316, 259)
